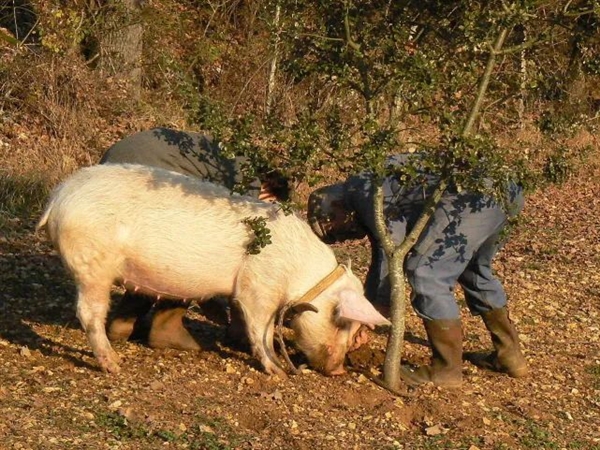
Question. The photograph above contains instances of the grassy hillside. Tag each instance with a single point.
(58, 112)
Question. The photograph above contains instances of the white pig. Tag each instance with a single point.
(172, 236)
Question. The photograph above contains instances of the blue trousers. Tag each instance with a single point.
(457, 246)
(433, 271)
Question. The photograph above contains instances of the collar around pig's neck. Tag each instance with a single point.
(318, 288)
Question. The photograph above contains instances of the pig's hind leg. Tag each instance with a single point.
(93, 302)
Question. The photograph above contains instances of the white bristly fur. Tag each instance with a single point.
(174, 236)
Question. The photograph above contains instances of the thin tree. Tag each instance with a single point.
(396, 254)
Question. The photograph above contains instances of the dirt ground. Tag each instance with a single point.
(52, 395)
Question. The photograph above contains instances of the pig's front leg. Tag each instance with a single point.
(260, 325)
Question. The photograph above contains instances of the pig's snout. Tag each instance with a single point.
(336, 372)
(334, 364)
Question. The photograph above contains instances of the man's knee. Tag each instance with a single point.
(432, 290)
(436, 307)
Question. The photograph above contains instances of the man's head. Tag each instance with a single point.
(329, 216)
(274, 186)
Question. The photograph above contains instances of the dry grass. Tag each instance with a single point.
(59, 116)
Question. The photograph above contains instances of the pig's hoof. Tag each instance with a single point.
(110, 364)
(282, 375)
(273, 369)
(110, 367)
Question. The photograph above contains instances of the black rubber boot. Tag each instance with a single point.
(507, 356)
(237, 334)
(445, 369)
(126, 315)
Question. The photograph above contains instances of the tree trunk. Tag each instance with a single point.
(121, 44)
(273, 69)
(395, 343)
(522, 83)
(396, 255)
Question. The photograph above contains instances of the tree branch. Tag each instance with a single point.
(485, 81)
(518, 48)
(382, 233)
(349, 41)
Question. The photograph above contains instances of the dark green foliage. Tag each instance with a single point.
(384, 64)
(262, 234)
(118, 426)
(557, 167)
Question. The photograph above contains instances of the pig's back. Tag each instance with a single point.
(158, 229)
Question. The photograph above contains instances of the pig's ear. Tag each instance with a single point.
(353, 306)
(349, 265)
